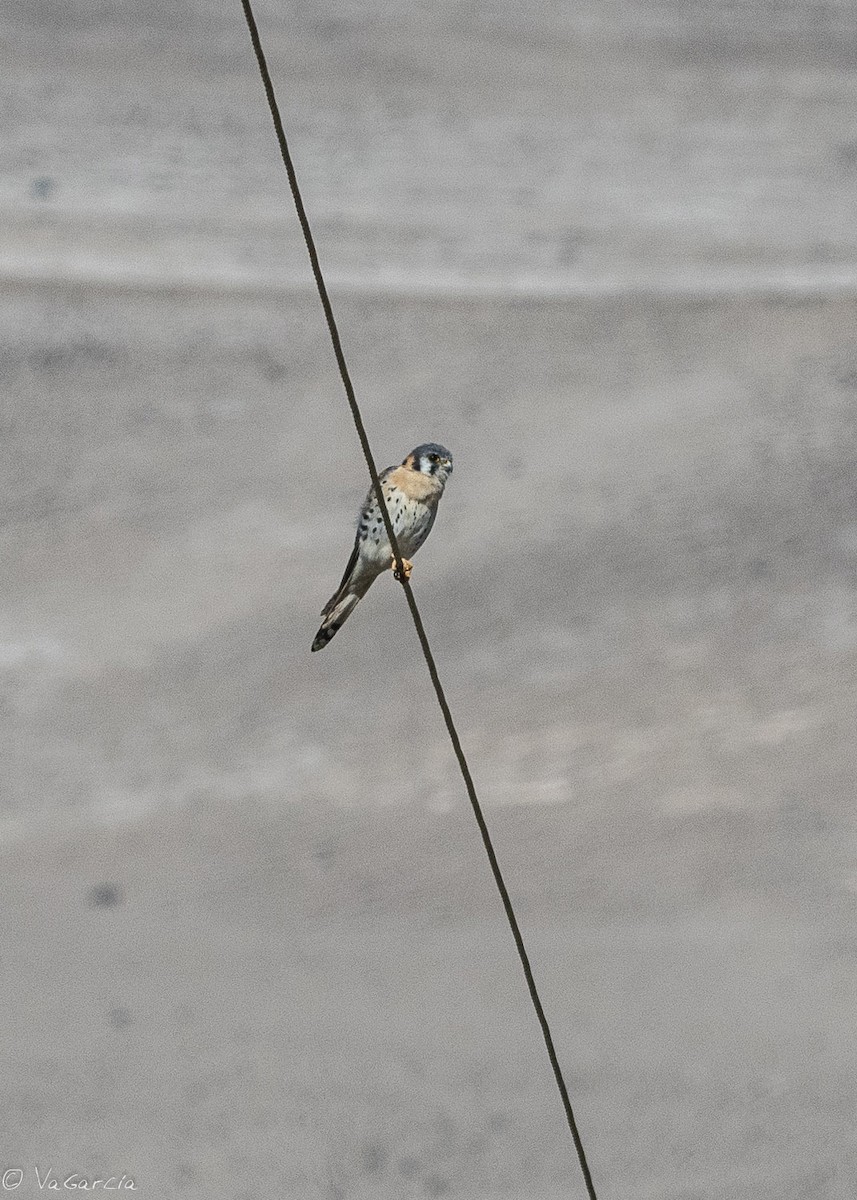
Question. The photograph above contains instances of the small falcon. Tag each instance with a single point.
(411, 493)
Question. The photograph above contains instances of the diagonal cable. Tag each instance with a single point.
(412, 604)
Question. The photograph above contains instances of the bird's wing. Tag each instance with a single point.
(371, 499)
(352, 563)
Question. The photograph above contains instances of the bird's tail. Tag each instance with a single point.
(336, 612)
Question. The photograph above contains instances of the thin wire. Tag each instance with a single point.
(412, 604)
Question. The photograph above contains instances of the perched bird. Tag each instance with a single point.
(411, 493)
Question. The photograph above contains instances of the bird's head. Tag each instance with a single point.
(431, 459)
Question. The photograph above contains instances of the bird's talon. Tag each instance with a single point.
(405, 573)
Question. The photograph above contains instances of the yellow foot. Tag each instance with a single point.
(407, 567)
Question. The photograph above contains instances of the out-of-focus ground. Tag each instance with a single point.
(606, 252)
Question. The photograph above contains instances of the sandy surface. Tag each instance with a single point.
(250, 941)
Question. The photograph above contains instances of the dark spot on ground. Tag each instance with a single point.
(373, 1158)
(105, 895)
(120, 1017)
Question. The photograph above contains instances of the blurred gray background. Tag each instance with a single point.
(605, 251)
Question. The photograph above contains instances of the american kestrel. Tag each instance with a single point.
(411, 493)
